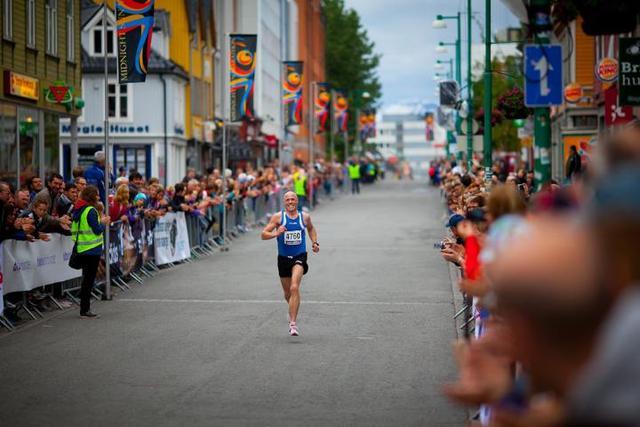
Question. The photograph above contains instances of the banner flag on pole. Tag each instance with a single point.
(322, 104)
(134, 27)
(292, 92)
(242, 71)
(367, 124)
(340, 110)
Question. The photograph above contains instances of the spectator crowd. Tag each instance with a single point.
(36, 209)
(550, 277)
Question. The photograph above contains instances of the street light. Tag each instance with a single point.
(441, 49)
(440, 23)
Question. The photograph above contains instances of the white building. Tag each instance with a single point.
(146, 120)
(401, 131)
(264, 18)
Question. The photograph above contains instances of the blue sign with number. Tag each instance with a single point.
(543, 75)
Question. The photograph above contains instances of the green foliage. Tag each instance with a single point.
(506, 74)
(350, 59)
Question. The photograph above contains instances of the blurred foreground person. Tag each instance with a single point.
(607, 393)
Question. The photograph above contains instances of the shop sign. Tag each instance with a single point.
(209, 128)
(20, 85)
(629, 71)
(615, 114)
(573, 93)
(607, 70)
(59, 93)
(114, 129)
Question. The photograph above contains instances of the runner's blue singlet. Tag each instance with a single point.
(293, 241)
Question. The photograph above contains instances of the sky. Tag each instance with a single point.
(401, 30)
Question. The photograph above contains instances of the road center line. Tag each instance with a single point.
(244, 301)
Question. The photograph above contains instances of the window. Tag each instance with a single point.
(119, 101)
(98, 41)
(31, 24)
(51, 13)
(71, 41)
(7, 19)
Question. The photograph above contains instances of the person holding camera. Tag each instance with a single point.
(87, 232)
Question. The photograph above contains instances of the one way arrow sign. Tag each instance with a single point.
(543, 75)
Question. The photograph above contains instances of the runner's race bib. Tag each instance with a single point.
(293, 238)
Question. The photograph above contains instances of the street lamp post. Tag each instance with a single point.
(440, 23)
(469, 98)
(486, 145)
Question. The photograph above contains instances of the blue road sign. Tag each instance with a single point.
(543, 75)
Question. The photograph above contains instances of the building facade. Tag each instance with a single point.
(402, 132)
(575, 122)
(40, 61)
(147, 121)
(310, 50)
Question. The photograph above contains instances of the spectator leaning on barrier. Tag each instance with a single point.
(119, 209)
(34, 184)
(87, 231)
(50, 194)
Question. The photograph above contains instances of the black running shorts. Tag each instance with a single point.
(285, 264)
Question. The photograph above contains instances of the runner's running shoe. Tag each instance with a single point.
(293, 330)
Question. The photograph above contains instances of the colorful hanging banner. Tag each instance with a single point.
(367, 124)
(242, 60)
(134, 27)
(292, 92)
(340, 110)
(322, 105)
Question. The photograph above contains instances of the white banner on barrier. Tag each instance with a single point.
(1, 280)
(171, 238)
(26, 266)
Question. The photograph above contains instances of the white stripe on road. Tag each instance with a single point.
(267, 301)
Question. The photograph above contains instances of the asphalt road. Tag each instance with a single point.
(206, 343)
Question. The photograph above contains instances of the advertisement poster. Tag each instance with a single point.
(584, 145)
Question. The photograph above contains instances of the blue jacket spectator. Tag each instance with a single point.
(95, 175)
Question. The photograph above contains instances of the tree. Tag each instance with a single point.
(506, 75)
(350, 58)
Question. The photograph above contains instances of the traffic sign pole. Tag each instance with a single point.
(488, 95)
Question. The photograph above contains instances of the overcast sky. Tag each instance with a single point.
(401, 30)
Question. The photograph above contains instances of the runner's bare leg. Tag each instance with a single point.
(294, 289)
(286, 285)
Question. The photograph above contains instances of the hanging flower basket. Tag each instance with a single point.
(511, 104)
(496, 118)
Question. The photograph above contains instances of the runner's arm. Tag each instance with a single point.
(311, 229)
(273, 228)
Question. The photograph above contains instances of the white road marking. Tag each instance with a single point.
(266, 301)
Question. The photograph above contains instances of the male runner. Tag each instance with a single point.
(290, 228)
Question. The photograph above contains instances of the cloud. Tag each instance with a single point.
(401, 30)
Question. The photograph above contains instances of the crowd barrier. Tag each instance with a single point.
(136, 251)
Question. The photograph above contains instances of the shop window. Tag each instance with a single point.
(51, 143)
(119, 102)
(71, 41)
(28, 135)
(31, 24)
(51, 14)
(7, 19)
(8, 144)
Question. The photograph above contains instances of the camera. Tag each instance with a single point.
(440, 245)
